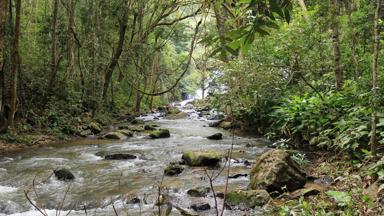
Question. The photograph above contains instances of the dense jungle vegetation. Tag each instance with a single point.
(307, 75)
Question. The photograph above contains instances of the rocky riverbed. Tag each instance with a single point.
(126, 173)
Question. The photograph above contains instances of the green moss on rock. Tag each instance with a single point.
(161, 133)
(248, 199)
(197, 158)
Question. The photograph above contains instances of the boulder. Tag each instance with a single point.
(161, 133)
(119, 157)
(216, 117)
(214, 123)
(64, 175)
(216, 136)
(237, 176)
(276, 171)
(201, 158)
(85, 133)
(200, 207)
(149, 127)
(199, 191)
(305, 192)
(225, 125)
(248, 199)
(173, 169)
(114, 135)
(94, 127)
(126, 132)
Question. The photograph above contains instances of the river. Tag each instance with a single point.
(100, 183)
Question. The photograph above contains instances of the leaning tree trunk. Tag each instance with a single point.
(3, 14)
(375, 96)
(336, 45)
(117, 53)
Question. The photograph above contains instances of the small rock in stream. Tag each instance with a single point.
(64, 175)
(198, 192)
(134, 201)
(201, 207)
(173, 169)
(237, 176)
(161, 133)
(120, 157)
(217, 136)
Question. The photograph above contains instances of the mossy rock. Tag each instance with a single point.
(126, 132)
(198, 158)
(226, 125)
(248, 199)
(161, 133)
(275, 171)
(95, 127)
(115, 135)
(85, 133)
(173, 169)
(149, 127)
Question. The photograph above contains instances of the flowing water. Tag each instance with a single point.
(99, 182)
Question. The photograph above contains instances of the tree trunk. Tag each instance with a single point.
(15, 63)
(220, 25)
(54, 60)
(353, 41)
(116, 55)
(304, 9)
(3, 14)
(336, 45)
(71, 39)
(375, 87)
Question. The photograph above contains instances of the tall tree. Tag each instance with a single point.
(3, 9)
(336, 44)
(54, 56)
(71, 38)
(375, 87)
(123, 23)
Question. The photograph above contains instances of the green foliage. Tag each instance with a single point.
(342, 198)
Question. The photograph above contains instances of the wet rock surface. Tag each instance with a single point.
(200, 206)
(199, 158)
(216, 136)
(161, 133)
(120, 157)
(64, 175)
(276, 171)
(248, 199)
(199, 191)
